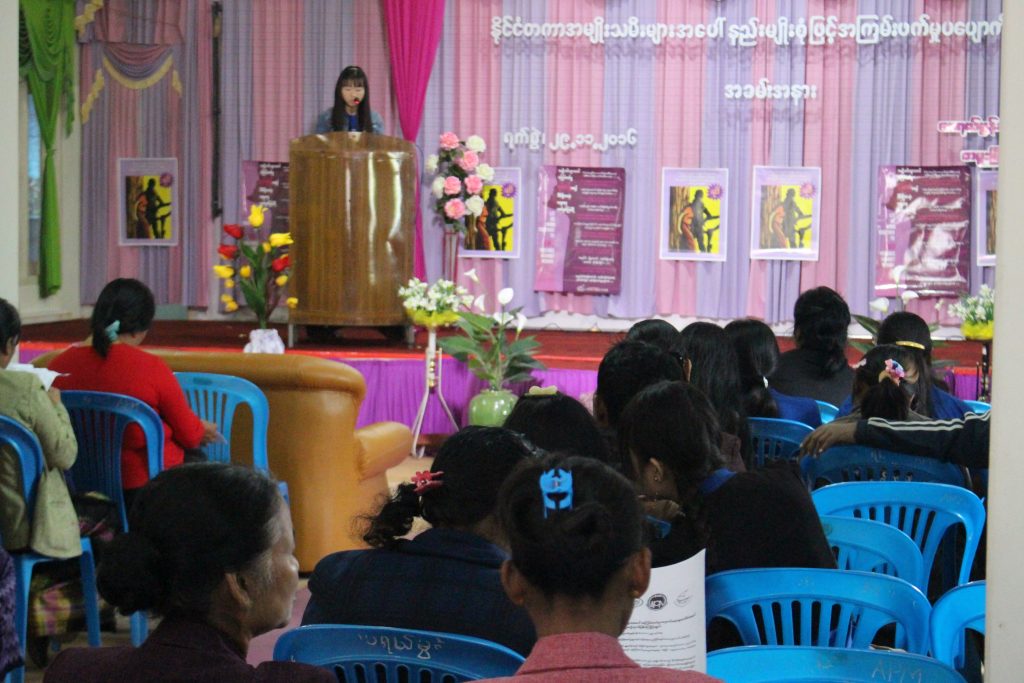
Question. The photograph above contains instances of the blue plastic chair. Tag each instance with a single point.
(99, 420)
(788, 664)
(819, 607)
(388, 655)
(978, 406)
(865, 545)
(26, 448)
(959, 609)
(861, 463)
(827, 411)
(776, 439)
(924, 511)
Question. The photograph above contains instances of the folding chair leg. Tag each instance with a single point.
(23, 581)
(139, 628)
(91, 602)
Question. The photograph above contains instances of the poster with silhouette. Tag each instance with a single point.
(924, 230)
(147, 189)
(266, 183)
(494, 233)
(986, 203)
(784, 213)
(693, 214)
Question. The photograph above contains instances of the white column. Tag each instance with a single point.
(9, 150)
(1005, 609)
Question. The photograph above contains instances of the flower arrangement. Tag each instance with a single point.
(976, 310)
(435, 305)
(494, 352)
(459, 179)
(260, 268)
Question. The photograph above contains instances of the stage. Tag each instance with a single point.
(394, 372)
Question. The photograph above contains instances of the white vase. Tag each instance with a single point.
(264, 341)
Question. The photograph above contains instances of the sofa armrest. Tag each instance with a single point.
(383, 445)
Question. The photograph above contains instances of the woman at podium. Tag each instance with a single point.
(351, 110)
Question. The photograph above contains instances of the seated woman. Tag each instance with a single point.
(817, 367)
(211, 550)
(23, 398)
(760, 518)
(558, 423)
(578, 564)
(446, 578)
(880, 385)
(656, 331)
(112, 362)
(758, 353)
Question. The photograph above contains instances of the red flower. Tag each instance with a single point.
(279, 264)
(234, 230)
(228, 251)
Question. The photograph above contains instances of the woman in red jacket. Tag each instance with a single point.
(112, 362)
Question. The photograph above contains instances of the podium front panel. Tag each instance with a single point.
(352, 219)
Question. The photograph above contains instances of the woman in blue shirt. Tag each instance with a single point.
(351, 110)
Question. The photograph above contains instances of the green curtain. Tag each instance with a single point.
(47, 61)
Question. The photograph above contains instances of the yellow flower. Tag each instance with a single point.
(229, 284)
(266, 247)
(281, 280)
(231, 307)
(256, 216)
(281, 239)
(227, 298)
(224, 271)
(245, 271)
(292, 301)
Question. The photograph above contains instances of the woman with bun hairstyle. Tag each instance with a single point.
(447, 577)
(111, 361)
(575, 529)
(880, 385)
(211, 551)
(351, 110)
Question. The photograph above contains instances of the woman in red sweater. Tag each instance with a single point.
(112, 362)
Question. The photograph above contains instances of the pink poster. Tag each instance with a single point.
(579, 230)
(924, 221)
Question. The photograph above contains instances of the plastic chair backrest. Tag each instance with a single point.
(978, 406)
(861, 463)
(776, 439)
(924, 511)
(788, 664)
(29, 453)
(827, 411)
(99, 420)
(865, 545)
(215, 398)
(820, 607)
(385, 655)
(960, 608)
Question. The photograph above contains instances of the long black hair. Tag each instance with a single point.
(911, 332)
(124, 301)
(757, 352)
(875, 391)
(352, 75)
(821, 319)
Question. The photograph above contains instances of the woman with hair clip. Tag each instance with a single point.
(880, 385)
(111, 361)
(211, 550)
(575, 529)
(351, 110)
(447, 577)
(757, 351)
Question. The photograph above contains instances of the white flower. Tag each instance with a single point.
(909, 296)
(479, 303)
(520, 323)
(485, 171)
(505, 296)
(431, 163)
(475, 205)
(437, 187)
(476, 143)
(881, 304)
(897, 273)
(939, 304)
(471, 274)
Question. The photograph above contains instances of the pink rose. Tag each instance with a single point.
(455, 209)
(469, 161)
(452, 185)
(474, 184)
(449, 140)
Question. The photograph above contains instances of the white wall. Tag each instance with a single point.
(9, 150)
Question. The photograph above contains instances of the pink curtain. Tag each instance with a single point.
(414, 31)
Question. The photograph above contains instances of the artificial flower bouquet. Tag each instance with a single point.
(977, 313)
(435, 305)
(459, 179)
(259, 267)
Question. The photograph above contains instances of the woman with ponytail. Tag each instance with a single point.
(211, 550)
(111, 361)
(880, 385)
(447, 577)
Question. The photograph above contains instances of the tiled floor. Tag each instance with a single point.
(263, 646)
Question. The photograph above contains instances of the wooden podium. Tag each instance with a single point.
(352, 216)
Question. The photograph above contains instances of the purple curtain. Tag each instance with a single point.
(414, 30)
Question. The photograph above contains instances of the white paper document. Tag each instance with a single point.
(667, 626)
(45, 376)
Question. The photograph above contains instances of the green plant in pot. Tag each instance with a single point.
(494, 349)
